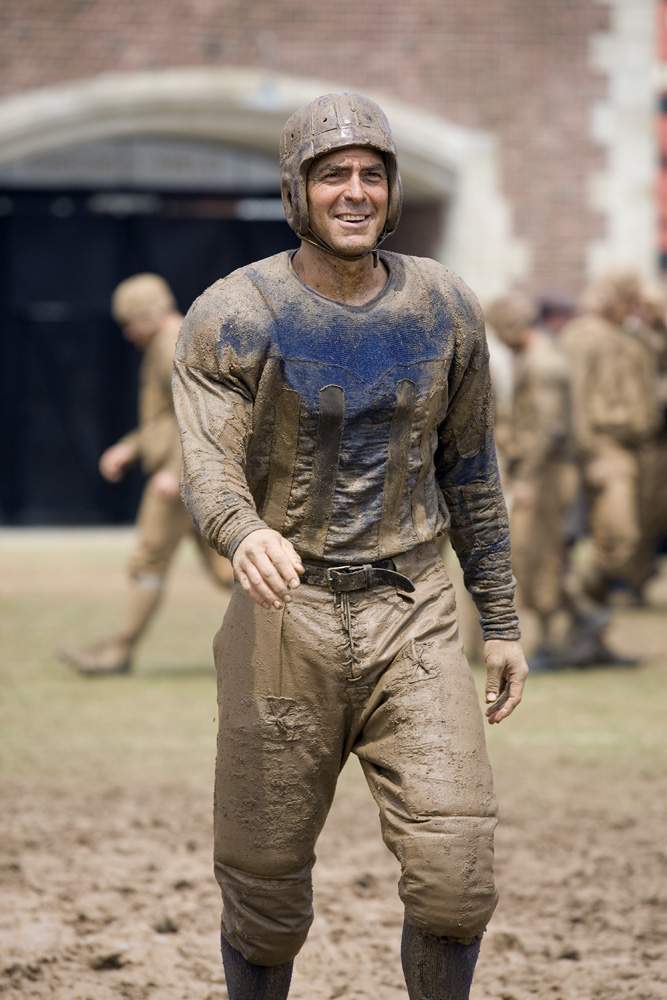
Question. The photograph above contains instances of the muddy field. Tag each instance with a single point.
(105, 825)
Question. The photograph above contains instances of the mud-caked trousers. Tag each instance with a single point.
(611, 480)
(537, 527)
(162, 524)
(376, 672)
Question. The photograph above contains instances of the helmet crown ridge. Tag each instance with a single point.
(330, 122)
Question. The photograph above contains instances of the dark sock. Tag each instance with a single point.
(246, 981)
(436, 968)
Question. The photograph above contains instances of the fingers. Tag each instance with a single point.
(112, 473)
(253, 582)
(294, 556)
(111, 468)
(271, 577)
(506, 672)
(499, 701)
(506, 705)
(267, 567)
(495, 670)
(288, 563)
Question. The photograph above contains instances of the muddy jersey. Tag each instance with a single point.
(357, 432)
(155, 441)
(540, 430)
(614, 385)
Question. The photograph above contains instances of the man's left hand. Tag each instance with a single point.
(165, 484)
(506, 672)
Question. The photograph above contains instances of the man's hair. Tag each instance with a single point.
(510, 316)
(139, 294)
(614, 294)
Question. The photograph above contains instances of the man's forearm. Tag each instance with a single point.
(480, 537)
(131, 440)
(214, 424)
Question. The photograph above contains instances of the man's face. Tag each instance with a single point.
(519, 340)
(140, 325)
(348, 196)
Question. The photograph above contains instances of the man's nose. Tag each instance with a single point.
(355, 189)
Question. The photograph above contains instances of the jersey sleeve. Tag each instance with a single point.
(467, 474)
(217, 367)
(131, 440)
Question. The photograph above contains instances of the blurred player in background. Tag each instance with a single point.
(536, 452)
(615, 415)
(145, 309)
(649, 327)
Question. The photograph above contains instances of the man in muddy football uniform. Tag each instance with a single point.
(649, 329)
(336, 418)
(537, 448)
(144, 307)
(615, 415)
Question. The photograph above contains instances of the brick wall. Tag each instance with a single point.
(518, 68)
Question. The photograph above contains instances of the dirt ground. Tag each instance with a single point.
(105, 826)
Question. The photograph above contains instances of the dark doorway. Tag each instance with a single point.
(67, 377)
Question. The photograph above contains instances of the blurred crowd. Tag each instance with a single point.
(581, 399)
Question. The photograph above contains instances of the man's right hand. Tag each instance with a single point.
(115, 460)
(267, 567)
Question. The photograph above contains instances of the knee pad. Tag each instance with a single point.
(149, 581)
(447, 883)
(266, 919)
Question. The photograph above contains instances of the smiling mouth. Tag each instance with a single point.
(353, 218)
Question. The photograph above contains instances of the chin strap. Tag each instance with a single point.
(315, 241)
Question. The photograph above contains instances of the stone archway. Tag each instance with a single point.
(247, 107)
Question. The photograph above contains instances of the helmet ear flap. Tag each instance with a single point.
(295, 199)
(301, 196)
(289, 201)
(395, 196)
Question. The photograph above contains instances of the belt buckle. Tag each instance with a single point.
(336, 573)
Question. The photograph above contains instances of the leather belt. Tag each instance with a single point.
(344, 579)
